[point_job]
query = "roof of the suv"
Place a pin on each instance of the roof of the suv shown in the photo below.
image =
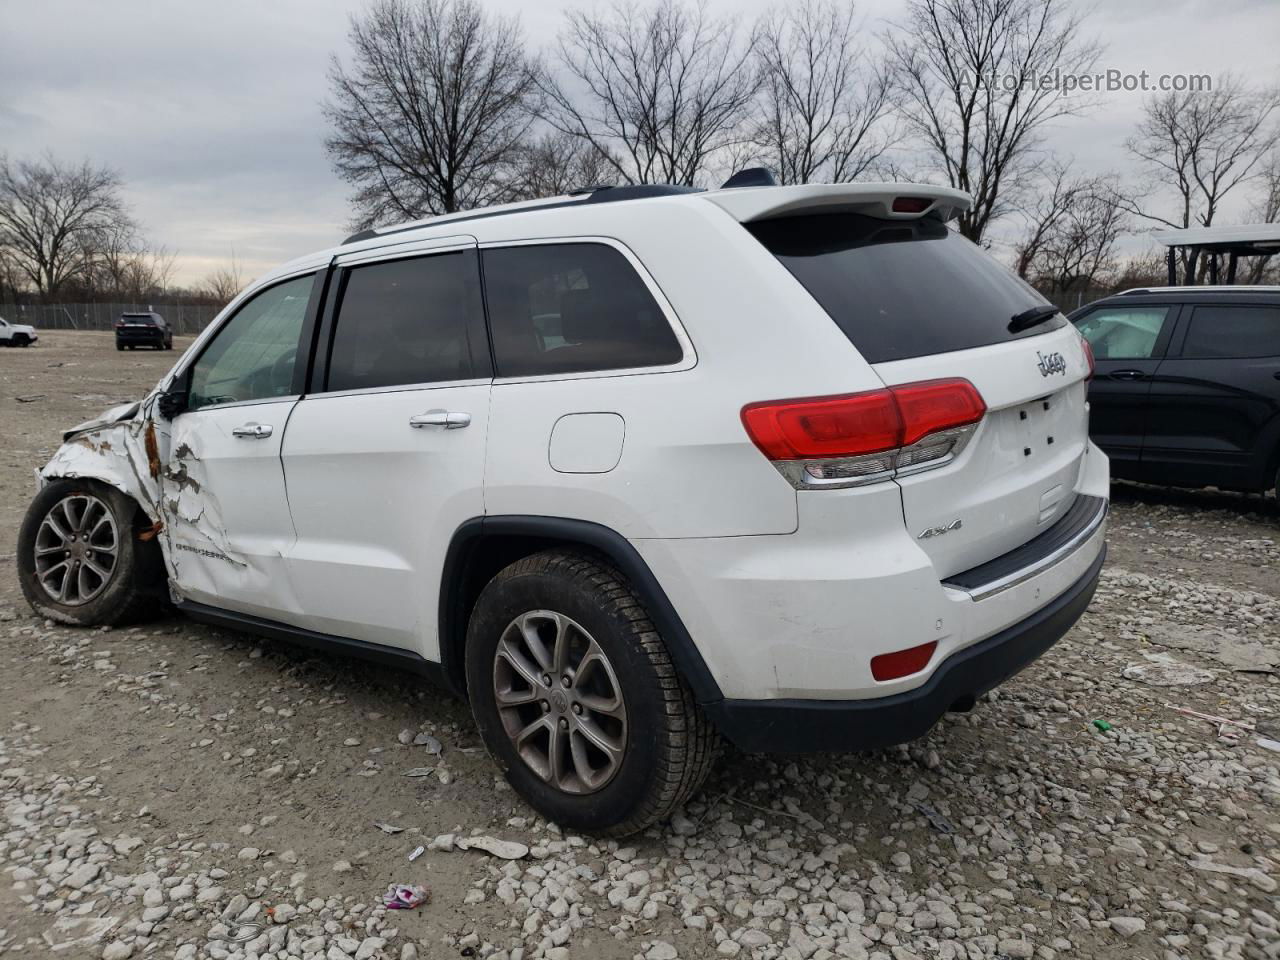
(1182, 293)
(743, 203)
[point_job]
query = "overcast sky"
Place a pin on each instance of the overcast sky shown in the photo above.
(210, 111)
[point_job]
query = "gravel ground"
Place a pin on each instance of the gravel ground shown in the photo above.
(177, 791)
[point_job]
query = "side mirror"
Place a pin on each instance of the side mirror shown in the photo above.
(173, 402)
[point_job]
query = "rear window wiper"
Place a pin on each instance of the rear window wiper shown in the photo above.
(1031, 318)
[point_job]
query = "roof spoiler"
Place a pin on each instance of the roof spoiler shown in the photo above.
(888, 201)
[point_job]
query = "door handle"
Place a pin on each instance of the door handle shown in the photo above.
(449, 419)
(1127, 375)
(252, 431)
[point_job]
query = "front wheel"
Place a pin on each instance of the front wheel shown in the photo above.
(81, 559)
(577, 699)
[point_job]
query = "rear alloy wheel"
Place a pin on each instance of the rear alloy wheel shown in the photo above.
(82, 559)
(560, 702)
(577, 699)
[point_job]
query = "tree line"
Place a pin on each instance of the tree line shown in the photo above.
(67, 235)
(442, 105)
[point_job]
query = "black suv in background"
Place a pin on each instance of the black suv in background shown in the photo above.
(143, 330)
(1187, 388)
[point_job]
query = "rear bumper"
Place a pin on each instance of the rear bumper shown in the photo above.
(130, 337)
(820, 726)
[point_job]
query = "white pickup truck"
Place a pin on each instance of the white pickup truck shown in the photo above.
(16, 334)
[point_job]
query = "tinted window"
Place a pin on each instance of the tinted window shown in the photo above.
(252, 357)
(564, 308)
(406, 322)
(902, 288)
(1123, 333)
(1233, 332)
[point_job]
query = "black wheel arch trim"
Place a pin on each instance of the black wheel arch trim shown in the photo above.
(453, 616)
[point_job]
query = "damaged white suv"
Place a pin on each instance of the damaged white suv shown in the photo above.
(630, 470)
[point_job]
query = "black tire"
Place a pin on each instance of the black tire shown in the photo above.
(21, 340)
(670, 745)
(120, 346)
(136, 588)
(131, 346)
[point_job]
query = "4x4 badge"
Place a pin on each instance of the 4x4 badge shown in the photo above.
(955, 524)
(1052, 363)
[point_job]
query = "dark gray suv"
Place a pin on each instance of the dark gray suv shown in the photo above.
(1187, 386)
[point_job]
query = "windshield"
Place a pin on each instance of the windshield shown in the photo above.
(901, 288)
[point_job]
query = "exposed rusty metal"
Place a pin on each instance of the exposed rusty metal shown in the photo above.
(153, 450)
(151, 532)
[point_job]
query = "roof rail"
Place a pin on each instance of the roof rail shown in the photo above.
(604, 193)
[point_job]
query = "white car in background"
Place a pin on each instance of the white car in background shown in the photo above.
(629, 470)
(16, 334)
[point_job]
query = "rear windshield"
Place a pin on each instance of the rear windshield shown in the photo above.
(138, 318)
(904, 288)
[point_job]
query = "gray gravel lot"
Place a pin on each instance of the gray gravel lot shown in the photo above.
(177, 791)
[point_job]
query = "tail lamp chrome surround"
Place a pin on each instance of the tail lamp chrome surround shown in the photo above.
(834, 473)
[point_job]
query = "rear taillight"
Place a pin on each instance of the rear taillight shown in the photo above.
(1088, 355)
(865, 437)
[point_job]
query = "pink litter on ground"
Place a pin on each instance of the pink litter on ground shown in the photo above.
(405, 896)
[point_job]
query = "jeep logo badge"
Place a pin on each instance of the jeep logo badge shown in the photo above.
(1051, 363)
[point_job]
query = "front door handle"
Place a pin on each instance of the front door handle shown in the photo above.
(449, 419)
(1127, 375)
(252, 431)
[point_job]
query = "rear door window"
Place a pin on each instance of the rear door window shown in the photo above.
(572, 307)
(1123, 333)
(1233, 331)
(901, 288)
(413, 321)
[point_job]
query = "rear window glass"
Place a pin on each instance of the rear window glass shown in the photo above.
(138, 318)
(572, 307)
(406, 322)
(1233, 332)
(901, 288)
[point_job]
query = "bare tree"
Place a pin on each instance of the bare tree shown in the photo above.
(1265, 209)
(656, 91)
(972, 75)
(824, 105)
(222, 284)
(430, 116)
(1071, 231)
(1202, 145)
(49, 215)
(555, 164)
(122, 265)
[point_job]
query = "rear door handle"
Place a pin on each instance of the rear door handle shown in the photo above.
(1127, 375)
(449, 419)
(252, 431)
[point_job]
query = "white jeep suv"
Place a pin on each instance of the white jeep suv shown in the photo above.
(630, 470)
(17, 334)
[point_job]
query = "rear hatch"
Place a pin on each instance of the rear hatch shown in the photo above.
(137, 324)
(921, 303)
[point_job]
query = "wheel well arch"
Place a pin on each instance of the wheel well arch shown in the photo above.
(482, 546)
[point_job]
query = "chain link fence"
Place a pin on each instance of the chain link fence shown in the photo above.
(183, 318)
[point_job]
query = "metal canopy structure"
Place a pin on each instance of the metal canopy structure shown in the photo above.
(1241, 240)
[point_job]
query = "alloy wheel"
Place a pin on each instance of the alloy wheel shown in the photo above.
(76, 549)
(560, 701)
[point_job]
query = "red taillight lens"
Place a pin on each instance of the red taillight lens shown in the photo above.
(1088, 355)
(936, 405)
(902, 663)
(861, 423)
(911, 204)
(824, 426)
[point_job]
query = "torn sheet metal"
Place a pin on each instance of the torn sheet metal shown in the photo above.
(129, 448)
